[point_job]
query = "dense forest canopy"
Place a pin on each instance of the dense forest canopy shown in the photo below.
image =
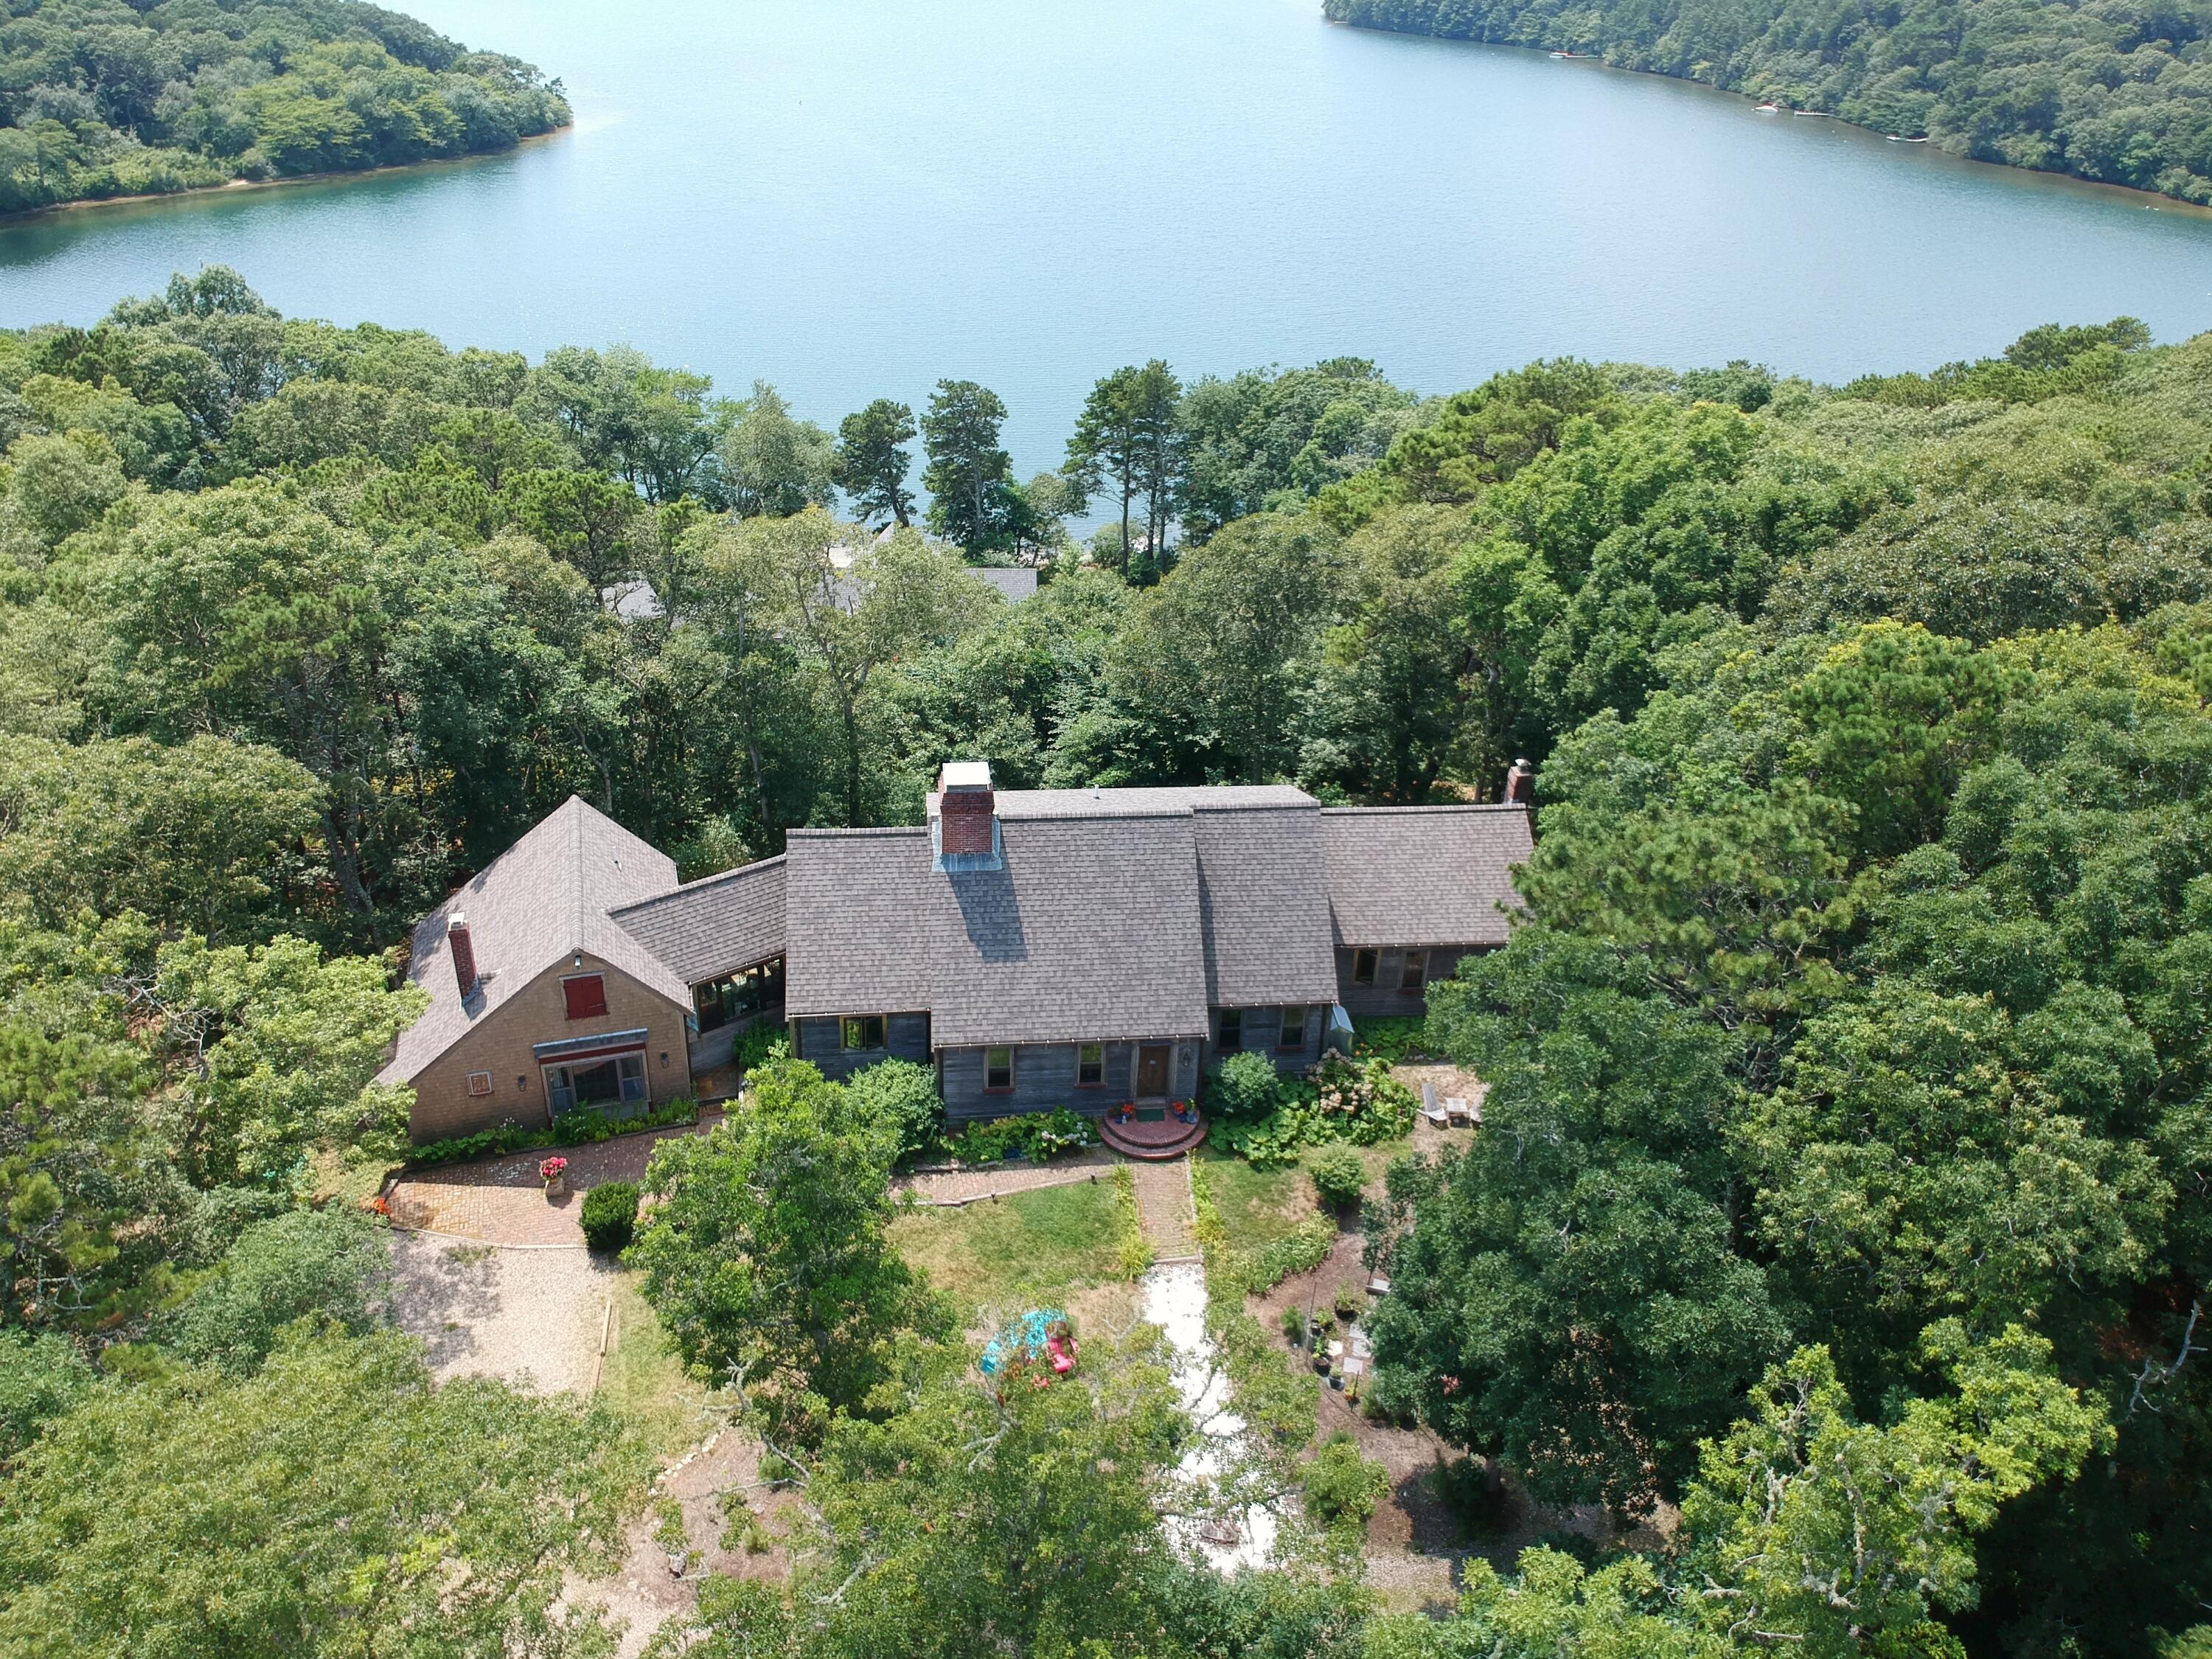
(1845, 1197)
(99, 98)
(2115, 92)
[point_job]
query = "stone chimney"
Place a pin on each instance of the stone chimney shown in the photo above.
(1520, 784)
(967, 811)
(464, 951)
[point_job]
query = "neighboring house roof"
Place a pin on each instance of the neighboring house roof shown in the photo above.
(1115, 803)
(856, 906)
(1090, 930)
(544, 898)
(1016, 582)
(1423, 875)
(714, 926)
(1263, 904)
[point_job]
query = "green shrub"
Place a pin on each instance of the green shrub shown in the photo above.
(1299, 1251)
(987, 1143)
(758, 1044)
(1390, 1040)
(1338, 1175)
(330, 1266)
(41, 1377)
(1294, 1325)
(1049, 1134)
(1343, 1489)
(582, 1128)
(905, 1092)
(1244, 1089)
(610, 1215)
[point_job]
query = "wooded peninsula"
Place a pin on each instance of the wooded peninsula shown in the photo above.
(2119, 94)
(1836, 1241)
(100, 98)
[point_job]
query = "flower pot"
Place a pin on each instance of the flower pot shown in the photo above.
(556, 1186)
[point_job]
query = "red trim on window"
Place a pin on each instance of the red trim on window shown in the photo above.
(618, 1050)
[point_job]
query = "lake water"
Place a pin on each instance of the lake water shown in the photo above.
(855, 198)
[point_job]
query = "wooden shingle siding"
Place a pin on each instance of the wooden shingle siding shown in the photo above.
(1263, 1027)
(1383, 1000)
(906, 1036)
(1044, 1077)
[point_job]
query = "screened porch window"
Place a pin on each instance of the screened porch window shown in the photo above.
(733, 996)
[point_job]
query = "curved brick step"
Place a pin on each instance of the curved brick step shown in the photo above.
(1152, 1143)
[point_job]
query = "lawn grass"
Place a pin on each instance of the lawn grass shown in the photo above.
(1007, 1254)
(642, 1381)
(1257, 1206)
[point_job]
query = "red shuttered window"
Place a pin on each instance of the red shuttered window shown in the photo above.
(586, 995)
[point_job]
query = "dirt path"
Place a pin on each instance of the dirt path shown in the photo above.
(1163, 1209)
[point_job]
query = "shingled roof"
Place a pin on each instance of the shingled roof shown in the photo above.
(1423, 875)
(1090, 930)
(715, 926)
(1263, 904)
(856, 917)
(545, 897)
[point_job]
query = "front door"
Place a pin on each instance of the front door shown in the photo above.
(1153, 1070)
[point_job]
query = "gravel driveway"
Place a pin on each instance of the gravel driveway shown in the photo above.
(530, 1314)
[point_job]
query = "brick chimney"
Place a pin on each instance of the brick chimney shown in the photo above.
(464, 951)
(966, 809)
(1521, 783)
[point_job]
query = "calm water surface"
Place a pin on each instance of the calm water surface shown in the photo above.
(853, 197)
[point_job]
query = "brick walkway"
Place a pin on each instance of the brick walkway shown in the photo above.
(957, 1186)
(500, 1200)
(1163, 1207)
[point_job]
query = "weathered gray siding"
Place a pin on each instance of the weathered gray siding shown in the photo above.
(1262, 1027)
(906, 1036)
(1383, 1000)
(1044, 1077)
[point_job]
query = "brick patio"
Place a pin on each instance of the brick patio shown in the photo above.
(500, 1200)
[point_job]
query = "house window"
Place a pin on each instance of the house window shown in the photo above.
(1294, 1028)
(479, 1083)
(586, 995)
(998, 1070)
(1414, 976)
(1364, 963)
(1232, 1030)
(617, 1080)
(864, 1032)
(1091, 1066)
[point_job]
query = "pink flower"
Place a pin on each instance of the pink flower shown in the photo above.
(551, 1168)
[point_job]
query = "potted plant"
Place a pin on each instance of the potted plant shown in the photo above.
(554, 1173)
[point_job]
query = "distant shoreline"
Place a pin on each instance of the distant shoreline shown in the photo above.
(2154, 201)
(336, 176)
